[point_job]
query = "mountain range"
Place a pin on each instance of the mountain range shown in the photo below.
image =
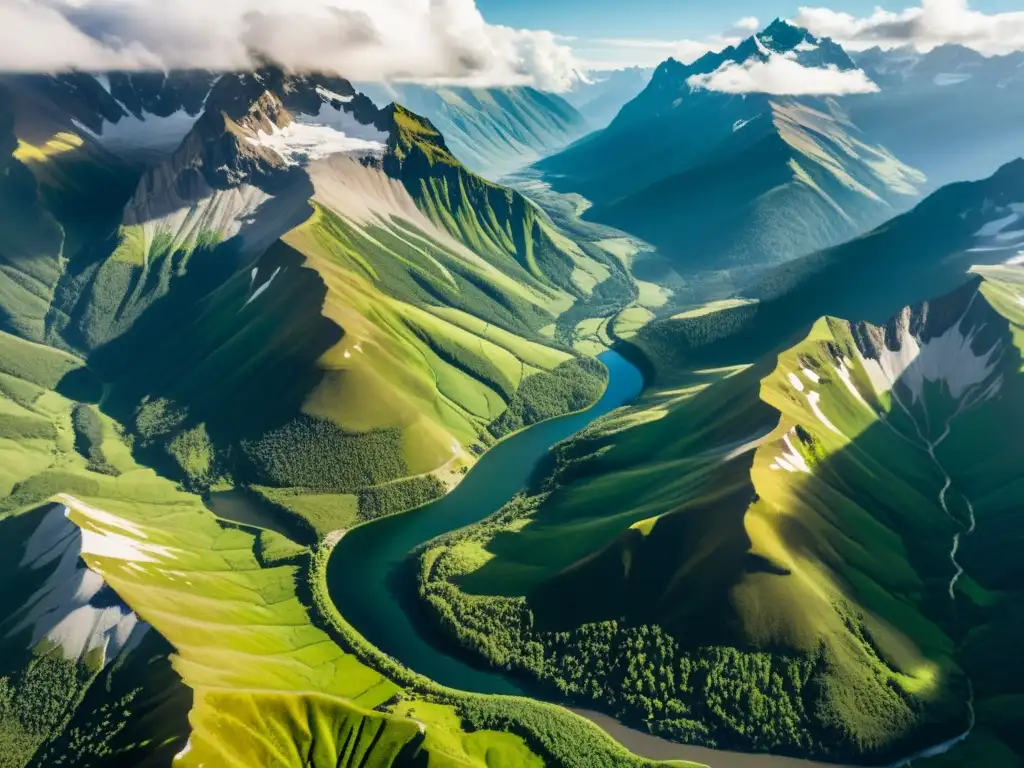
(975, 101)
(720, 181)
(245, 313)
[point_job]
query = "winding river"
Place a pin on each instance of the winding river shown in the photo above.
(365, 563)
(368, 560)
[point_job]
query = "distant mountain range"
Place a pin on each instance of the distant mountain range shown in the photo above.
(951, 112)
(602, 93)
(493, 131)
(719, 181)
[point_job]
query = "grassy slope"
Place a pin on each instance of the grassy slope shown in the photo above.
(493, 221)
(427, 327)
(833, 580)
(239, 610)
(268, 685)
(350, 309)
(57, 194)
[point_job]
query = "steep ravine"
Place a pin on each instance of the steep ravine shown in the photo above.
(969, 399)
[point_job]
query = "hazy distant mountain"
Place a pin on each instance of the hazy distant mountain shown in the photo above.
(600, 97)
(493, 131)
(723, 181)
(942, 67)
(951, 112)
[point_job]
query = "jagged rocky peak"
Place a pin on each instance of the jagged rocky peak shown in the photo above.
(781, 36)
(957, 342)
(778, 38)
(146, 116)
(258, 124)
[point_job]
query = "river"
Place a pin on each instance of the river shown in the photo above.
(366, 562)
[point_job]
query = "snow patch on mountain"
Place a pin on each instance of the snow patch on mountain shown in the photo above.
(330, 96)
(998, 227)
(300, 142)
(262, 288)
(1003, 234)
(185, 750)
(99, 540)
(74, 609)
(945, 79)
(948, 359)
(842, 369)
(791, 459)
(814, 400)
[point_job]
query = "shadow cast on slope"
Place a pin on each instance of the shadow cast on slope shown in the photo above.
(686, 573)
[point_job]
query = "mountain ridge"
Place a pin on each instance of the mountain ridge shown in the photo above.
(831, 178)
(494, 131)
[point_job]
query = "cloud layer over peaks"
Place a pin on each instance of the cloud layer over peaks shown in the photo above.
(437, 41)
(933, 23)
(780, 74)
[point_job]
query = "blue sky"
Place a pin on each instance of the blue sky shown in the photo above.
(594, 25)
(669, 18)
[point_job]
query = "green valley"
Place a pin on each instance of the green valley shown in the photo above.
(774, 488)
(729, 526)
(339, 338)
(408, 384)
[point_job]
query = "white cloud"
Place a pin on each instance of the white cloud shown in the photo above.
(748, 24)
(422, 40)
(933, 23)
(34, 36)
(782, 76)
